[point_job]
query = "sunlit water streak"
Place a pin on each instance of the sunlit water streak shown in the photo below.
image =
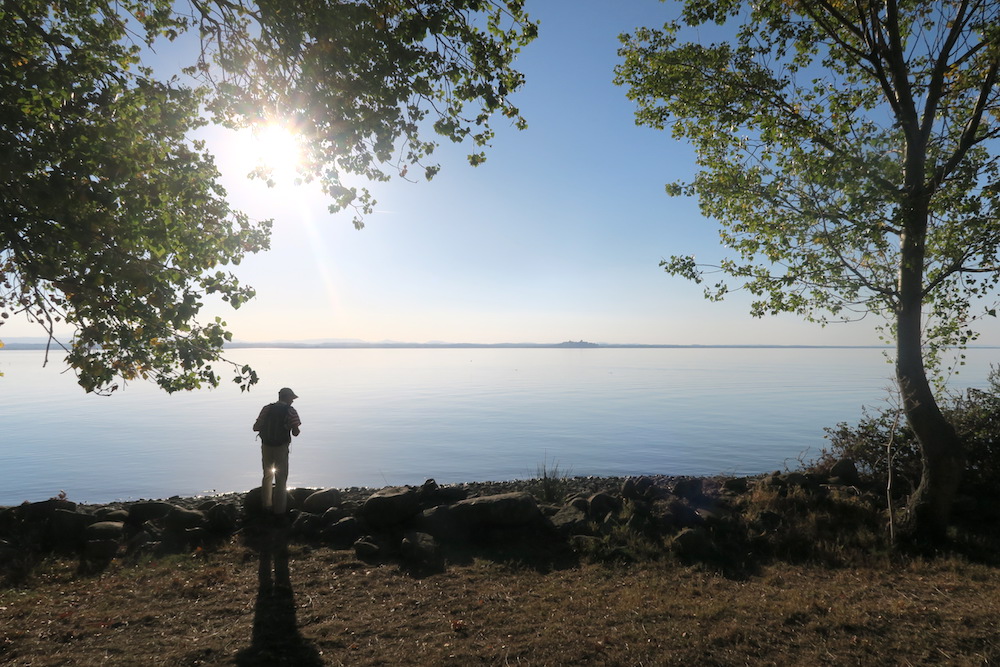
(399, 416)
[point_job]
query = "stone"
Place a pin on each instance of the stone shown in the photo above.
(736, 485)
(571, 520)
(636, 487)
(432, 495)
(180, 519)
(342, 534)
(421, 550)
(67, 528)
(334, 514)
(307, 525)
(320, 501)
(441, 523)
(846, 472)
(367, 548)
(602, 504)
(223, 518)
(689, 489)
(104, 530)
(100, 551)
(694, 544)
(506, 509)
(44, 509)
(390, 506)
(150, 510)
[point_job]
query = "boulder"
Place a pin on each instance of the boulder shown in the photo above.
(736, 485)
(441, 523)
(223, 518)
(104, 530)
(421, 550)
(180, 519)
(320, 501)
(602, 504)
(307, 525)
(432, 495)
(391, 506)
(67, 528)
(636, 488)
(43, 510)
(342, 534)
(505, 509)
(846, 472)
(689, 489)
(571, 520)
(150, 510)
(693, 544)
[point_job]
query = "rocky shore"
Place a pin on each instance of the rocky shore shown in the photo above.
(695, 518)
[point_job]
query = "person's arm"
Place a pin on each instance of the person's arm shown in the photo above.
(293, 421)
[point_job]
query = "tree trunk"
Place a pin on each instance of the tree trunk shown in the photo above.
(941, 450)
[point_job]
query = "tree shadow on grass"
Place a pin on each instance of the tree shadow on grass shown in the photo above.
(276, 639)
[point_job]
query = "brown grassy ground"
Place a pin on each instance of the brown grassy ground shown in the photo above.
(263, 604)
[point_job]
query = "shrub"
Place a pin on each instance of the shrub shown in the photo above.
(975, 416)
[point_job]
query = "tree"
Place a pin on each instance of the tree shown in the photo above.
(113, 220)
(848, 151)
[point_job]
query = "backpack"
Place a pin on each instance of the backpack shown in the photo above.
(274, 430)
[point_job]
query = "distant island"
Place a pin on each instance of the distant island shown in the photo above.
(40, 344)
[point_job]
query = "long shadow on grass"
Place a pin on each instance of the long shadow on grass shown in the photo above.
(276, 639)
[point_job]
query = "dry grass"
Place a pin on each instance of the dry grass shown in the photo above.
(241, 606)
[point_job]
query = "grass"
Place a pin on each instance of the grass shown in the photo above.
(223, 609)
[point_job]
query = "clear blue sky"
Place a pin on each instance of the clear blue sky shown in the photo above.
(557, 236)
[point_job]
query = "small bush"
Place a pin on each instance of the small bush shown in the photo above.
(975, 416)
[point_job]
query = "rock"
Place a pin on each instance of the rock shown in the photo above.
(320, 501)
(297, 496)
(66, 528)
(151, 510)
(421, 550)
(636, 487)
(308, 525)
(368, 548)
(104, 530)
(98, 553)
(334, 514)
(390, 506)
(693, 544)
(796, 479)
(43, 510)
(119, 514)
(846, 472)
(432, 495)
(441, 523)
(768, 520)
(223, 518)
(571, 520)
(736, 485)
(253, 502)
(180, 519)
(689, 489)
(342, 534)
(505, 509)
(602, 504)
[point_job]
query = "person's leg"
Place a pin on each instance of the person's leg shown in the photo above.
(267, 461)
(280, 479)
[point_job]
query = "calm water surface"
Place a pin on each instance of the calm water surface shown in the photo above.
(399, 416)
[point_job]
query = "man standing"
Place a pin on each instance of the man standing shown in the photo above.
(276, 424)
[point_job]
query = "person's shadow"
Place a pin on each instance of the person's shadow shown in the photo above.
(276, 639)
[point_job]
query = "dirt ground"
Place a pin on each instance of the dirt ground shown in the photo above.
(270, 603)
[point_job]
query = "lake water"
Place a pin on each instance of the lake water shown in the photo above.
(375, 417)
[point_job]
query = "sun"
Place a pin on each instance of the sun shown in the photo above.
(273, 151)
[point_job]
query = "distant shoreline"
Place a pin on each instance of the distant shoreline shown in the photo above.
(568, 345)
(580, 345)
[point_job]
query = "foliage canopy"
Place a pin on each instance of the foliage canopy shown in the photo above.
(849, 152)
(113, 220)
